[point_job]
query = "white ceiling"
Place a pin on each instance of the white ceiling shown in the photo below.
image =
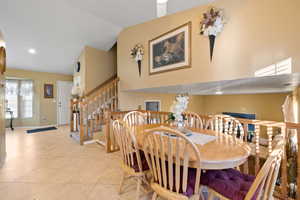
(59, 29)
(269, 84)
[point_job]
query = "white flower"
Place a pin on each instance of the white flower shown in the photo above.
(179, 106)
(218, 21)
(137, 52)
(212, 25)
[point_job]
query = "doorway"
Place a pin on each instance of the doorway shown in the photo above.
(64, 89)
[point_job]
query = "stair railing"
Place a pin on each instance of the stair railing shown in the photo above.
(91, 109)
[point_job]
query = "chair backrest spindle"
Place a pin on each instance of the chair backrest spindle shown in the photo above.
(127, 143)
(193, 120)
(265, 180)
(168, 153)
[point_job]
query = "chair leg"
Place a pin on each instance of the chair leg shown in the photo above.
(138, 188)
(154, 197)
(210, 196)
(122, 182)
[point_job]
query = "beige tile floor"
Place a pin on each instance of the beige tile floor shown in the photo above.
(52, 166)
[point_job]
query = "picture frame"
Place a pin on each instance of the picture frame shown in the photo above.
(48, 91)
(171, 51)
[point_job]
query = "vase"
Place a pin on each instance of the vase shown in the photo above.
(179, 124)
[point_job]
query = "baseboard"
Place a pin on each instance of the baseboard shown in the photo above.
(94, 141)
(90, 142)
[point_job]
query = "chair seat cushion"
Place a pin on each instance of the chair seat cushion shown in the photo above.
(144, 163)
(191, 180)
(230, 183)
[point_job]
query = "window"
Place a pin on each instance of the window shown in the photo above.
(152, 105)
(19, 98)
(283, 67)
(11, 98)
(26, 98)
(161, 8)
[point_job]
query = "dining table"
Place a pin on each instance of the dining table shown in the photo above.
(217, 150)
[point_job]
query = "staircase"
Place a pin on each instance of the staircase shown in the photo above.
(88, 112)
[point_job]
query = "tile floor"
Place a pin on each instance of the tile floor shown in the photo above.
(52, 166)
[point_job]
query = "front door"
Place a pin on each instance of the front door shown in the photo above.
(64, 89)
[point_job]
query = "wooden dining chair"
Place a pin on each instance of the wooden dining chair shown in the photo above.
(134, 164)
(227, 125)
(134, 118)
(193, 120)
(218, 123)
(168, 153)
(234, 127)
(231, 184)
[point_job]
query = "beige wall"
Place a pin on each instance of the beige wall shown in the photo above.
(258, 33)
(97, 66)
(265, 106)
(2, 109)
(132, 101)
(44, 110)
(101, 65)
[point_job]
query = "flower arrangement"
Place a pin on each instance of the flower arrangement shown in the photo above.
(178, 107)
(137, 53)
(211, 25)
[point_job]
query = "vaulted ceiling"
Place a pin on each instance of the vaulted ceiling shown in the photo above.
(59, 29)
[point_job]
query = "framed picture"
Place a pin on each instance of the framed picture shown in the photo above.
(48, 91)
(171, 51)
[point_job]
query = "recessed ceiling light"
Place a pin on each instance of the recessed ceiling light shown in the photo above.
(219, 92)
(32, 51)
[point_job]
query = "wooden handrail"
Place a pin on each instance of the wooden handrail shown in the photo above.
(92, 107)
(115, 76)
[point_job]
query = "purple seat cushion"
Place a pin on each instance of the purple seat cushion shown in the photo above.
(191, 180)
(229, 182)
(144, 163)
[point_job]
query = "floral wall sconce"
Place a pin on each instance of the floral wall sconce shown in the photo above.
(137, 53)
(211, 25)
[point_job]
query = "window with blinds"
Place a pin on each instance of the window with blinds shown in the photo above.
(19, 98)
(11, 98)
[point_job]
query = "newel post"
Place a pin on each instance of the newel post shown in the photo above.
(81, 134)
(107, 118)
(298, 165)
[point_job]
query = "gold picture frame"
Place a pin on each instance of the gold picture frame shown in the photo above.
(171, 51)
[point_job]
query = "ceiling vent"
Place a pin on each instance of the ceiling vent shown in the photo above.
(161, 7)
